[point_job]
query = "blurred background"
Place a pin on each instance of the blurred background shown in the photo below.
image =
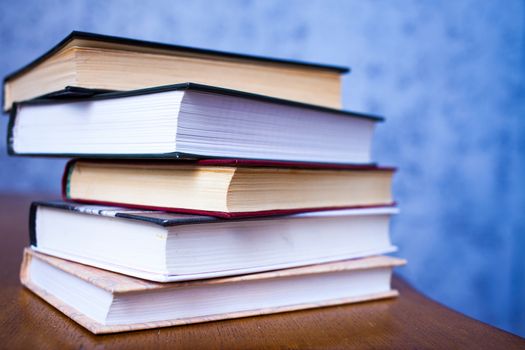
(448, 76)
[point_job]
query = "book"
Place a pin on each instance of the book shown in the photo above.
(190, 121)
(106, 302)
(167, 247)
(226, 188)
(93, 61)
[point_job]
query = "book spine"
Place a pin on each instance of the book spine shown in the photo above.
(24, 268)
(68, 169)
(10, 127)
(32, 223)
(4, 96)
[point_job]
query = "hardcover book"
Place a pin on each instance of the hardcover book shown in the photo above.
(163, 246)
(106, 302)
(227, 188)
(190, 121)
(102, 62)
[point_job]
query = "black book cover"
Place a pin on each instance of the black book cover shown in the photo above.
(96, 95)
(155, 217)
(72, 92)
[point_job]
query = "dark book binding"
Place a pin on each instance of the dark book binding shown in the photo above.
(160, 218)
(143, 214)
(96, 95)
(237, 163)
(68, 93)
(32, 223)
(72, 92)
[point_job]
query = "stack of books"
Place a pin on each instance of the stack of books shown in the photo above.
(239, 189)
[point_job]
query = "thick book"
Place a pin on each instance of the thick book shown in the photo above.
(106, 302)
(227, 188)
(190, 121)
(161, 246)
(93, 61)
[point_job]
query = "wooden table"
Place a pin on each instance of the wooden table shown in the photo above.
(410, 321)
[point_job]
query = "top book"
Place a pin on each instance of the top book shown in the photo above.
(101, 62)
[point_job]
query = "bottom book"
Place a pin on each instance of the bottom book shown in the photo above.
(107, 302)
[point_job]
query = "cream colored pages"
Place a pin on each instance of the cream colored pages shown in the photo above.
(226, 189)
(105, 65)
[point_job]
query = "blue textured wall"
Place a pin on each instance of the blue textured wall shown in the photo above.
(449, 78)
